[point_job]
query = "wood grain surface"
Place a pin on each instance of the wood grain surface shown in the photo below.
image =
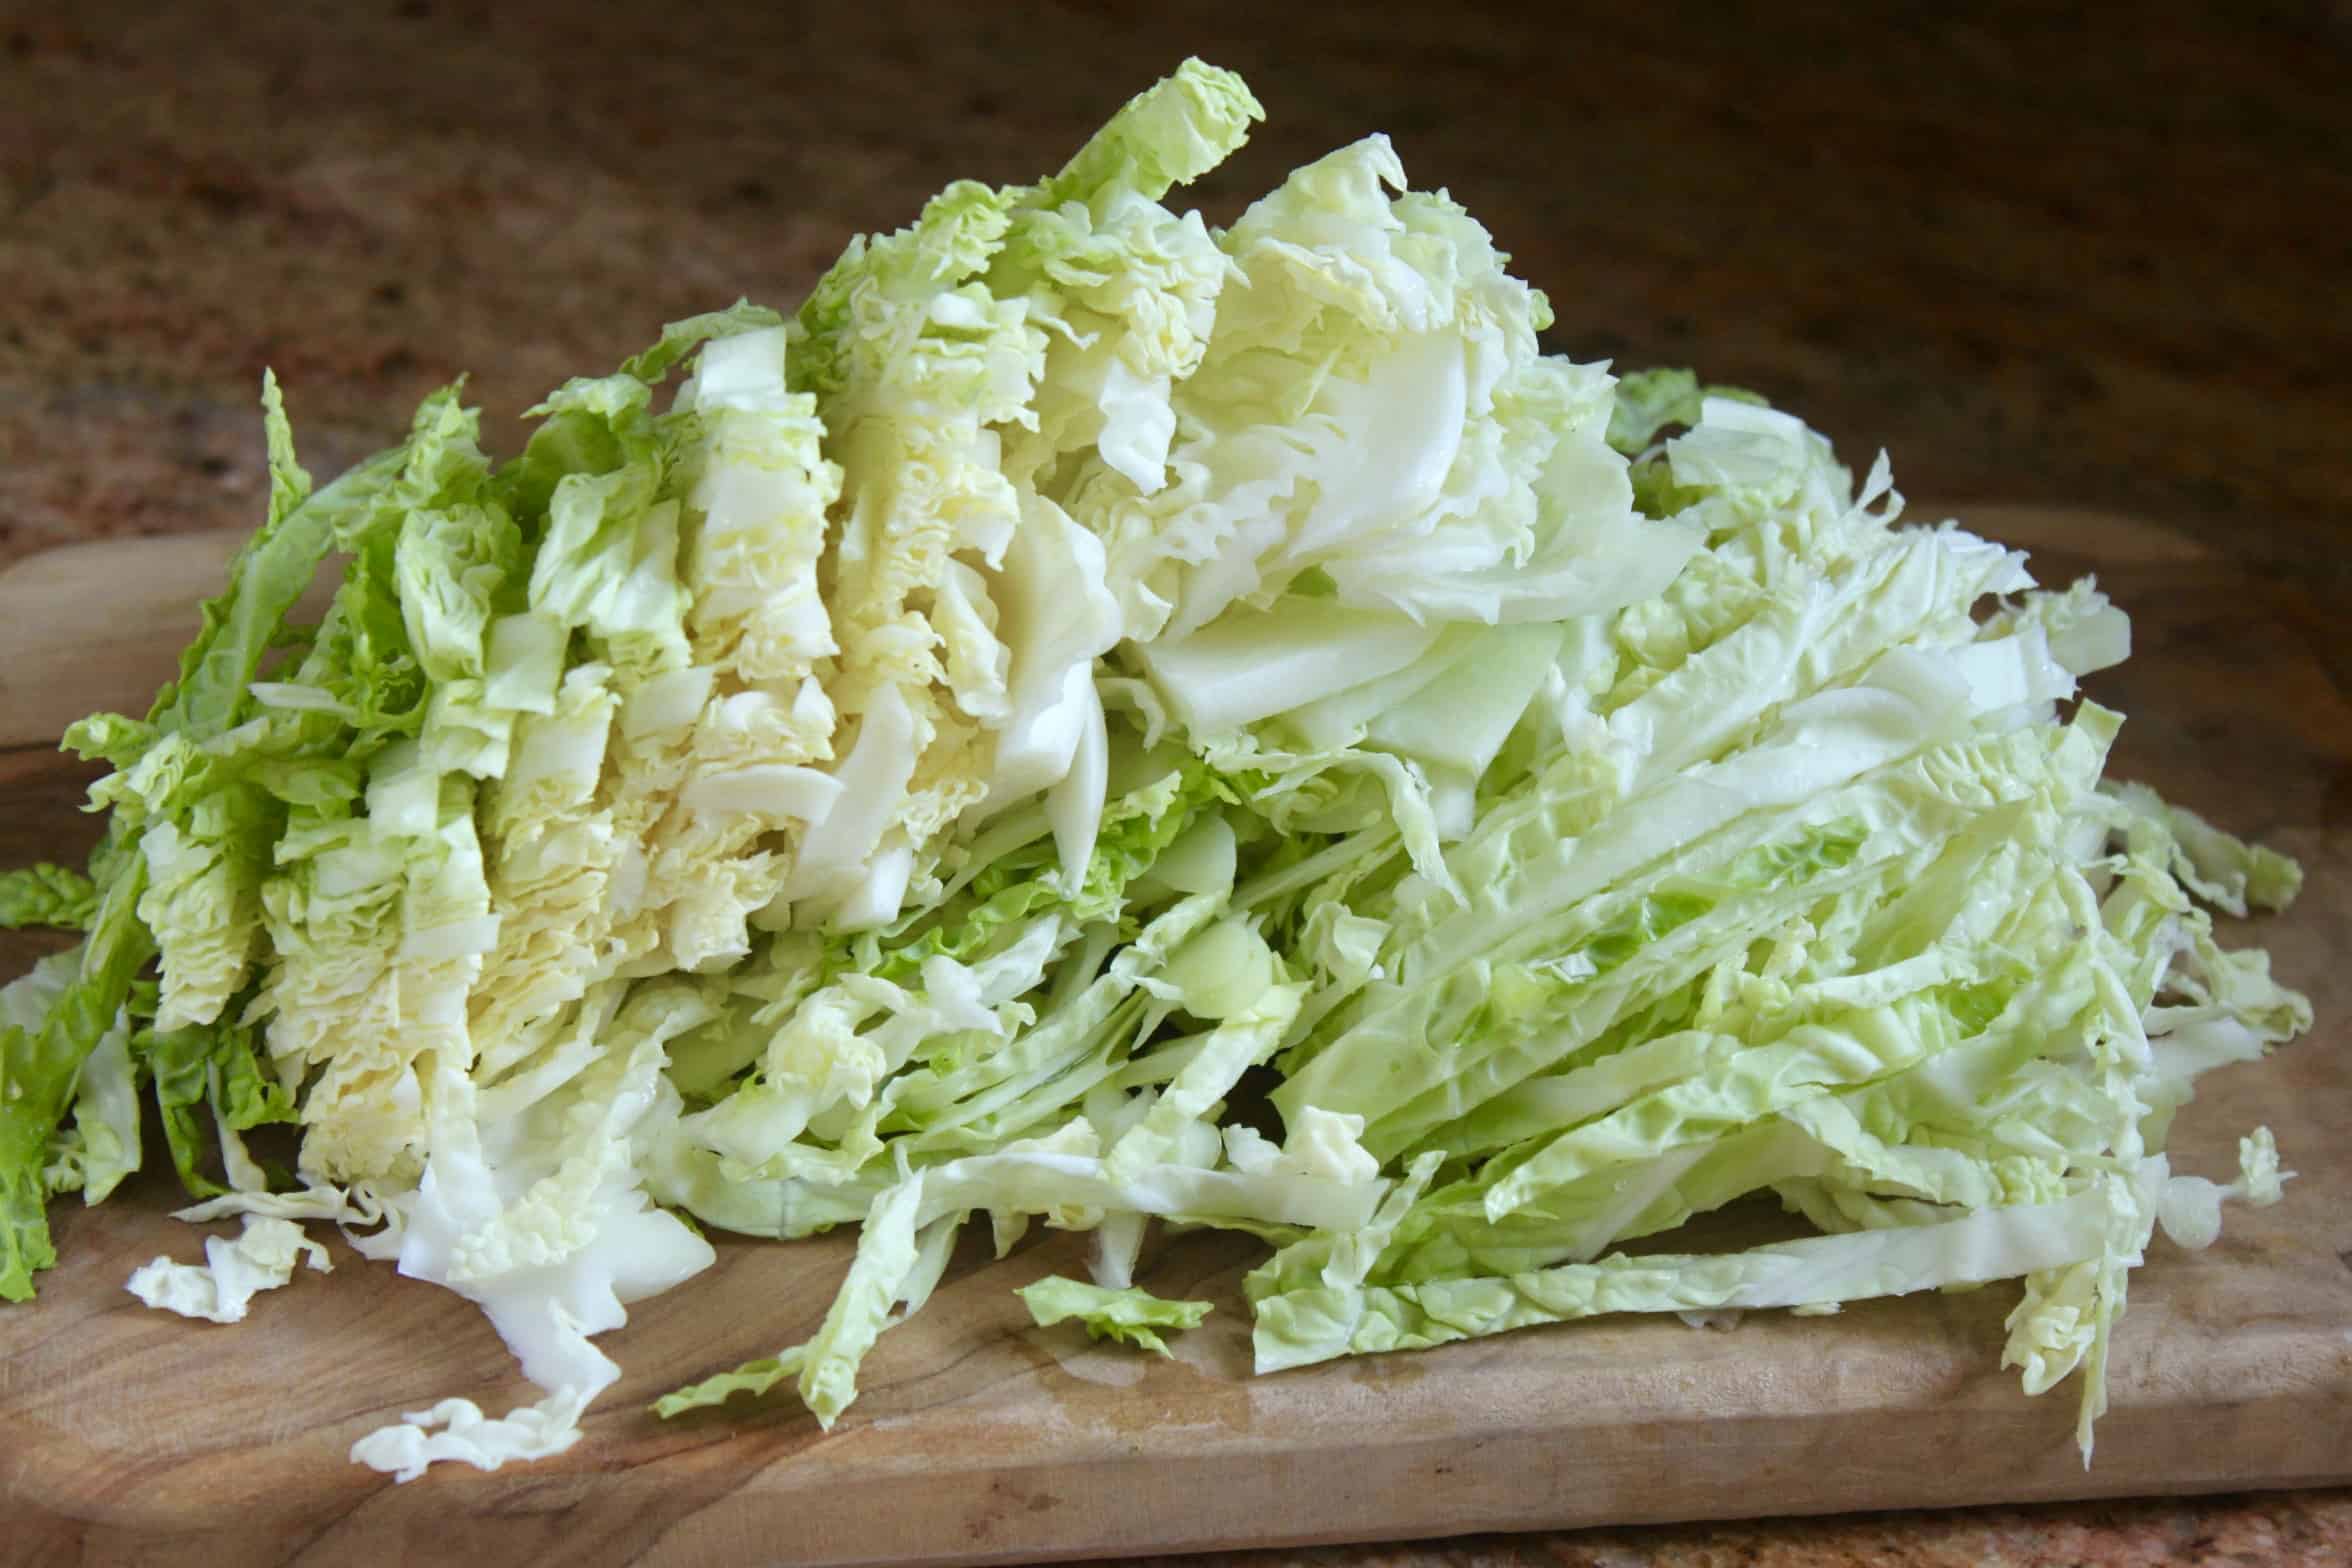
(127, 1435)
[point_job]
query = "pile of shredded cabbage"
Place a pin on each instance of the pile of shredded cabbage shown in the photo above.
(1099, 718)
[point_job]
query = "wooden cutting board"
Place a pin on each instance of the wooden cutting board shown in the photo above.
(127, 1434)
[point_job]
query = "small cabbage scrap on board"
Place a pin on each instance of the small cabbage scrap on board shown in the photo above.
(1100, 718)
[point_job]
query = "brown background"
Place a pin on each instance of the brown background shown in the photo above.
(2097, 260)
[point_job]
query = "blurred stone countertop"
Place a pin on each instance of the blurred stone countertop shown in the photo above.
(2036, 254)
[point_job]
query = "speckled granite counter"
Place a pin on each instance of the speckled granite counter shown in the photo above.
(2036, 259)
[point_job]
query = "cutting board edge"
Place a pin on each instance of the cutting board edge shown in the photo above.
(1596, 1493)
(998, 1511)
(1524, 1524)
(1532, 1524)
(1027, 1491)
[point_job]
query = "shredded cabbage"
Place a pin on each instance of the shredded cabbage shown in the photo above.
(969, 747)
(1130, 1314)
